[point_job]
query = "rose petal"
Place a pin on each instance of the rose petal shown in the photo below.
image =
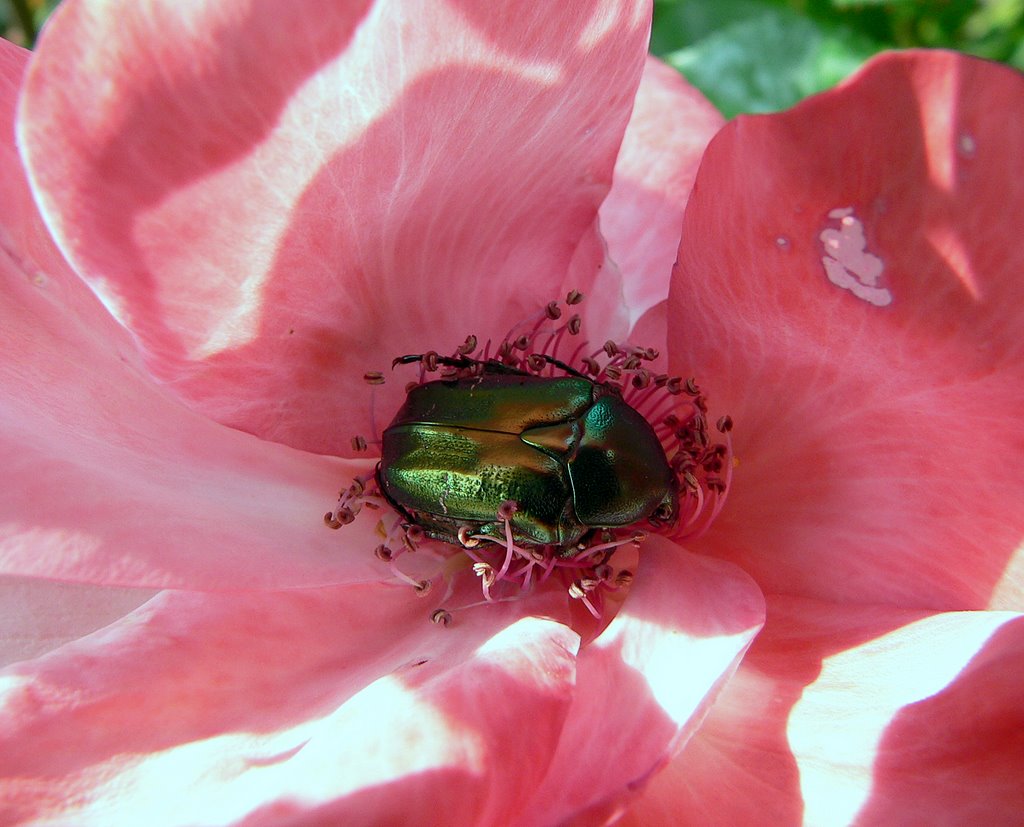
(646, 683)
(277, 198)
(340, 705)
(108, 480)
(880, 447)
(642, 217)
(870, 715)
(111, 481)
(37, 616)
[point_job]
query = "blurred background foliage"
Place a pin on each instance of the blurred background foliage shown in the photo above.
(764, 55)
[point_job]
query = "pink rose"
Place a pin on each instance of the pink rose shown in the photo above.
(218, 218)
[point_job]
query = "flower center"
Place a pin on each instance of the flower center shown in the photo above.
(532, 462)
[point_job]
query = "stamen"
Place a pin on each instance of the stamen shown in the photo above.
(485, 571)
(405, 578)
(441, 617)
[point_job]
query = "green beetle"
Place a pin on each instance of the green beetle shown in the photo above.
(567, 450)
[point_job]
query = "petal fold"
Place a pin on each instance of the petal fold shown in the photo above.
(858, 714)
(642, 217)
(644, 685)
(343, 705)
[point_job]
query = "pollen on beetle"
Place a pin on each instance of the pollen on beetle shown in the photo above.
(498, 549)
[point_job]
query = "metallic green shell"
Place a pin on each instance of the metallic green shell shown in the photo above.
(571, 453)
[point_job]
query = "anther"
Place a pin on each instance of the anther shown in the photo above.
(691, 387)
(535, 362)
(623, 578)
(358, 443)
(613, 373)
(485, 571)
(423, 588)
(611, 348)
(522, 343)
(429, 360)
(383, 553)
(574, 297)
(642, 379)
(507, 509)
(330, 521)
(674, 385)
(553, 311)
(591, 366)
(441, 617)
(373, 377)
(650, 354)
(574, 325)
(724, 424)
(466, 540)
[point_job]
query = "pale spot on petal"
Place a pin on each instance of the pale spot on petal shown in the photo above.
(846, 261)
(966, 145)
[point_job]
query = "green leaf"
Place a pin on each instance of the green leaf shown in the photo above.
(680, 23)
(771, 61)
(839, 4)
